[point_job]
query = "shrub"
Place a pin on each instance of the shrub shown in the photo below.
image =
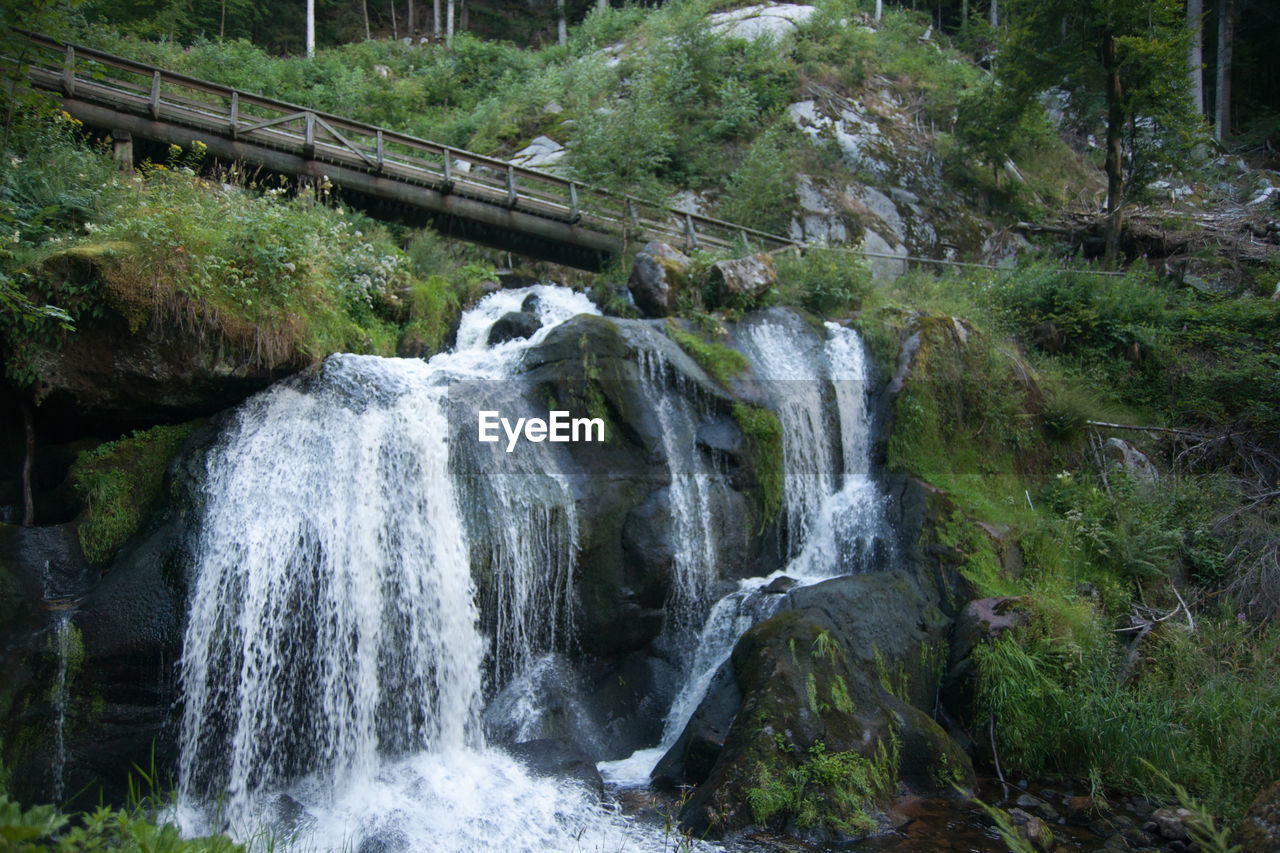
(824, 281)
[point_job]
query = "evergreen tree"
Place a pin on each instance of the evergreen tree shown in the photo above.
(1123, 63)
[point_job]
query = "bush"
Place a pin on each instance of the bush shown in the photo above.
(824, 281)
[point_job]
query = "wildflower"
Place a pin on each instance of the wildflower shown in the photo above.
(1242, 617)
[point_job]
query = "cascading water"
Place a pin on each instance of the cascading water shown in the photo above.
(833, 531)
(62, 642)
(333, 662)
(693, 534)
(792, 374)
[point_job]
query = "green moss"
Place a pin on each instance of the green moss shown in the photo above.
(720, 362)
(119, 483)
(764, 437)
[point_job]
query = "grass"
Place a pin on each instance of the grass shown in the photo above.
(828, 790)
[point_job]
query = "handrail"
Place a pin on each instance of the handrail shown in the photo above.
(238, 115)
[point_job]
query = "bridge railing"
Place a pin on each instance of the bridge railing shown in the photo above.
(121, 84)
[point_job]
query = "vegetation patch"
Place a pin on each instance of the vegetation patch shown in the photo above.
(119, 483)
(720, 362)
(826, 790)
(764, 438)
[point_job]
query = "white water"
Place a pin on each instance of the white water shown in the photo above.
(62, 639)
(692, 531)
(835, 529)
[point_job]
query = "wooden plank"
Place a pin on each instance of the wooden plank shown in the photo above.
(346, 142)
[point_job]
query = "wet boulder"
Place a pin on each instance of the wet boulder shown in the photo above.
(513, 325)
(831, 718)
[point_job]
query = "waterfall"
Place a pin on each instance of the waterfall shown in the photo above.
(692, 531)
(794, 376)
(332, 619)
(833, 530)
(62, 642)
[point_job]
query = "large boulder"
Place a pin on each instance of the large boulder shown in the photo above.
(744, 281)
(830, 719)
(657, 274)
(514, 325)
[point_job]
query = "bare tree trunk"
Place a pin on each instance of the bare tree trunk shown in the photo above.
(879, 8)
(394, 34)
(1226, 42)
(464, 12)
(28, 462)
(409, 26)
(1195, 53)
(993, 14)
(562, 28)
(602, 4)
(311, 27)
(222, 22)
(448, 22)
(435, 18)
(1115, 149)
(364, 7)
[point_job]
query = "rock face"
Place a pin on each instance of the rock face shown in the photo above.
(657, 274)
(124, 637)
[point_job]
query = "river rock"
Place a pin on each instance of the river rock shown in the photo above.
(1259, 832)
(744, 281)
(657, 275)
(550, 757)
(1171, 823)
(513, 325)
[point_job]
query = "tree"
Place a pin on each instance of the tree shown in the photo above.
(311, 27)
(1123, 64)
(1226, 43)
(1195, 53)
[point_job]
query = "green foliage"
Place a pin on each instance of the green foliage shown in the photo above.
(761, 192)
(764, 437)
(828, 790)
(119, 483)
(720, 362)
(824, 281)
(43, 828)
(1204, 709)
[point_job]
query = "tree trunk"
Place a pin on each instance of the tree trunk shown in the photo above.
(1195, 53)
(602, 4)
(364, 7)
(409, 24)
(1115, 149)
(993, 14)
(394, 34)
(448, 22)
(562, 27)
(435, 18)
(964, 11)
(222, 22)
(311, 27)
(28, 462)
(879, 8)
(1226, 41)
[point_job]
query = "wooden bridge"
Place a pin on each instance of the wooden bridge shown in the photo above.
(390, 175)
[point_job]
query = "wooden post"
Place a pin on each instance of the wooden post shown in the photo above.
(690, 236)
(309, 136)
(69, 72)
(511, 186)
(381, 156)
(235, 115)
(122, 149)
(574, 215)
(448, 171)
(155, 94)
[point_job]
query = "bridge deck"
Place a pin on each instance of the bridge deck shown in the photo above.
(392, 175)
